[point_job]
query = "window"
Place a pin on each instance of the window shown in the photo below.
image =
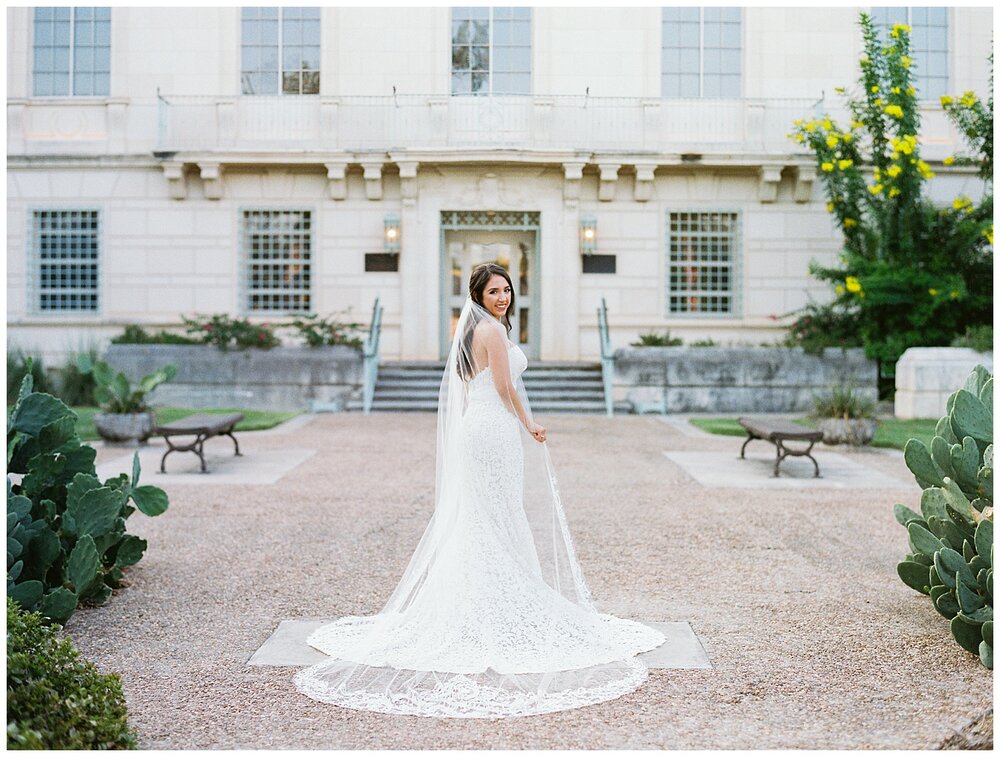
(928, 45)
(280, 51)
(66, 248)
(72, 52)
(491, 51)
(703, 249)
(701, 52)
(277, 247)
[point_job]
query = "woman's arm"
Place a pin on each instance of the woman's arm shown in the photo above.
(496, 352)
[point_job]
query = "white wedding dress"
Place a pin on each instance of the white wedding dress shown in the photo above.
(480, 625)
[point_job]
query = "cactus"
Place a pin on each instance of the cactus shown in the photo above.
(951, 539)
(66, 540)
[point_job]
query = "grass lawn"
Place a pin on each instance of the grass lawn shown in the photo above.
(254, 420)
(890, 432)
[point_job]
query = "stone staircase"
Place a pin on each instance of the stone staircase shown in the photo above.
(551, 387)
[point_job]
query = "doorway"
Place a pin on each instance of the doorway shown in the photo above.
(514, 250)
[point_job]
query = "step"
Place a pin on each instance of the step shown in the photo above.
(538, 408)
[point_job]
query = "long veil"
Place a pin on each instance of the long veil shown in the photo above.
(415, 656)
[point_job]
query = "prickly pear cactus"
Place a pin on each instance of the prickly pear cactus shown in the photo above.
(66, 540)
(951, 538)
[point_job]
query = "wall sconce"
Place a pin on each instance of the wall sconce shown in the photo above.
(588, 235)
(391, 233)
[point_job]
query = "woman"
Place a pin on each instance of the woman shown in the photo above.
(492, 617)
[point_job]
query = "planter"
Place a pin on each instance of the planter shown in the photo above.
(854, 431)
(125, 427)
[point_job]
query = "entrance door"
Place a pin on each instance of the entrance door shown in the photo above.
(514, 250)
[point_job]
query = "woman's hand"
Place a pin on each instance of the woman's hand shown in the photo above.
(537, 431)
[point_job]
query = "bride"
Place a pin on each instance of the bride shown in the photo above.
(492, 617)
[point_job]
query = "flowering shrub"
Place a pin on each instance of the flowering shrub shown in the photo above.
(910, 273)
(318, 332)
(225, 332)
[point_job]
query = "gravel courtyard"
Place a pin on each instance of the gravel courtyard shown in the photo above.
(792, 591)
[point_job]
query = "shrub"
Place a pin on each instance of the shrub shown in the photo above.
(317, 332)
(652, 339)
(135, 334)
(66, 540)
(75, 387)
(18, 365)
(978, 338)
(707, 342)
(114, 392)
(843, 402)
(225, 332)
(951, 539)
(55, 698)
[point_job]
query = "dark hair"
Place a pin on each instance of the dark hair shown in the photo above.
(480, 277)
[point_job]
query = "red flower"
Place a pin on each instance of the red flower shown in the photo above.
(208, 327)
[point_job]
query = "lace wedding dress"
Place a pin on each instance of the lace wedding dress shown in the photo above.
(492, 617)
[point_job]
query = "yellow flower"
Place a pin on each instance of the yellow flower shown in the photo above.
(988, 233)
(831, 141)
(877, 171)
(953, 294)
(946, 101)
(844, 163)
(895, 90)
(839, 90)
(874, 87)
(878, 100)
(894, 155)
(839, 289)
(864, 60)
(969, 99)
(949, 160)
(894, 191)
(897, 28)
(876, 189)
(847, 136)
(856, 124)
(810, 127)
(829, 207)
(932, 292)
(853, 285)
(849, 222)
(905, 61)
(893, 171)
(961, 202)
(894, 110)
(827, 123)
(911, 91)
(827, 166)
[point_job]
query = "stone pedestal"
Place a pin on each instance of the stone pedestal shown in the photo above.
(926, 376)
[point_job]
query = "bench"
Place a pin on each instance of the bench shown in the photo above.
(202, 426)
(778, 432)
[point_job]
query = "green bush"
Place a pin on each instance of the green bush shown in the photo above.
(652, 339)
(115, 393)
(225, 332)
(842, 402)
(75, 387)
(951, 538)
(707, 342)
(135, 334)
(55, 698)
(66, 540)
(978, 338)
(18, 365)
(318, 332)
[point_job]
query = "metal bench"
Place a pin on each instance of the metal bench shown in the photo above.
(778, 432)
(202, 426)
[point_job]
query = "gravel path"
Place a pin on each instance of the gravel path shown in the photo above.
(815, 642)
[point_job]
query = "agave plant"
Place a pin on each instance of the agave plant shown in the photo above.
(951, 539)
(114, 392)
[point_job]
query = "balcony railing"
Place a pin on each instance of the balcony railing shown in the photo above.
(358, 123)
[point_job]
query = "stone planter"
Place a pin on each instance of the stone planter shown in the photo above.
(854, 431)
(125, 427)
(927, 376)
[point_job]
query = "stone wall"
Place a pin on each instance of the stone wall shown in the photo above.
(927, 376)
(283, 378)
(735, 379)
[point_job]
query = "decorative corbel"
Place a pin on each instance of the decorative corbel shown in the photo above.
(211, 179)
(173, 171)
(572, 178)
(770, 177)
(804, 178)
(644, 181)
(336, 180)
(609, 180)
(408, 187)
(373, 180)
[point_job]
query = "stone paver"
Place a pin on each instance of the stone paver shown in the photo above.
(792, 593)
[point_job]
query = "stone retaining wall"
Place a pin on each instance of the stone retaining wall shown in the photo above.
(284, 378)
(736, 379)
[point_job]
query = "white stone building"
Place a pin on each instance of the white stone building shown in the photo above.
(169, 161)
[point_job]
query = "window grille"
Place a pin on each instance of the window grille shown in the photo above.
(67, 259)
(702, 255)
(277, 249)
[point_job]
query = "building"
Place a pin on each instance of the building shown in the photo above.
(272, 161)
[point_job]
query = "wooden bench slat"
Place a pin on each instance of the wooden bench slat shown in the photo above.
(201, 422)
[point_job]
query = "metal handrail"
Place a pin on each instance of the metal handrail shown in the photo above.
(607, 358)
(371, 356)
